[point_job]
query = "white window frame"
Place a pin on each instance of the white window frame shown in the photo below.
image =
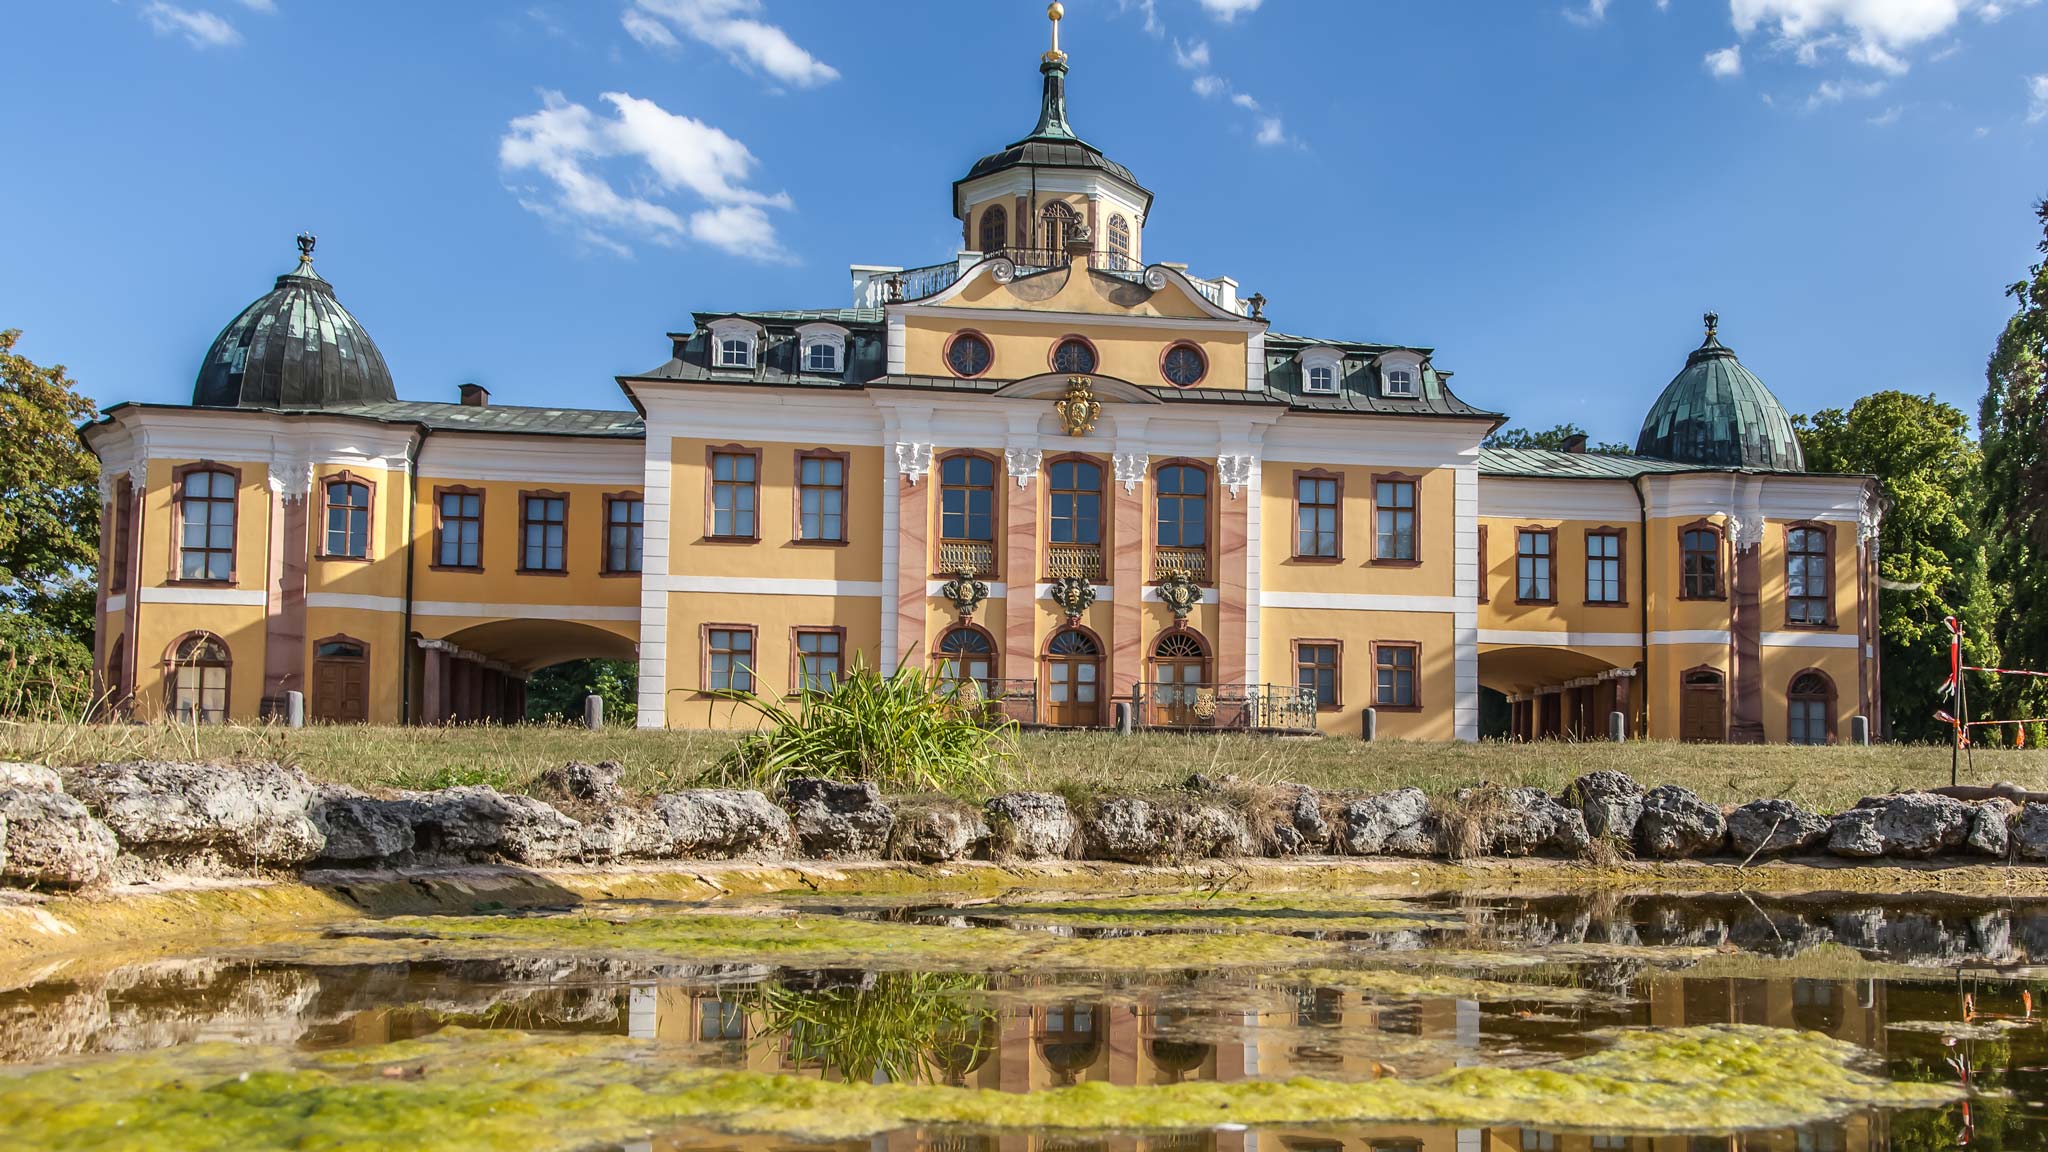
(1322, 357)
(1393, 363)
(745, 331)
(812, 336)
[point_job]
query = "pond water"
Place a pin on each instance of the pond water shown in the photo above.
(1042, 1022)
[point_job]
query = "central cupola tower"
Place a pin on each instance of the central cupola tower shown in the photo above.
(1052, 197)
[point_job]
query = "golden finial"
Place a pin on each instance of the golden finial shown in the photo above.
(1054, 12)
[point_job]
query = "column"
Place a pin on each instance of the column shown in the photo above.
(913, 552)
(1019, 624)
(1745, 631)
(284, 623)
(1238, 487)
(1127, 575)
(434, 684)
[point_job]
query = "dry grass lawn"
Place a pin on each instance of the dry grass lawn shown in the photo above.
(510, 758)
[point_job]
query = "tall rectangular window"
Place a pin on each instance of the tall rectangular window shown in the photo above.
(1076, 502)
(1393, 535)
(819, 658)
(543, 532)
(728, 659)
(735, 496)
(124, 521)
(459, 541)
(821, 498)
(1315, 671)
(1181, 492)
(1808, 578)
(206, 514)
(1699, 550)
(1317, 516)
(625, 519)
(348, 520)
(967, 498)
(1603, 567)
(1532, 566)
(1394, 668)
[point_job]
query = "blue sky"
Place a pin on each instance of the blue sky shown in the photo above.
(530, 194)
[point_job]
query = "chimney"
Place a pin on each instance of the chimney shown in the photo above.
(475, 396)
(1576, 443)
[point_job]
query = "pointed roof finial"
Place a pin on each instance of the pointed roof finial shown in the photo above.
(1713, 325)
(306, 242)
(1054, 12)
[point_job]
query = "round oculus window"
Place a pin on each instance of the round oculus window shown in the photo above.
(968, 355)
(1184, 366)
(1073, 356)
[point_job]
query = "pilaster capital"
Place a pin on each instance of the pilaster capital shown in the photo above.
(913, 461)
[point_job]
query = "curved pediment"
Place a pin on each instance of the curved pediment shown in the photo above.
(1053, 385)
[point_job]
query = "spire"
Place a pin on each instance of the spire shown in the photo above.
(305, 268)
(1052, 108)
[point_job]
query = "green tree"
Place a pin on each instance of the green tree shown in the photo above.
(1552, 439)
(556, 692)
(49, 538)
(1931, 560)
(2012, 427)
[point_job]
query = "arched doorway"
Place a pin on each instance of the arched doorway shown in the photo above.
(1702, 706)
(196, 679)
(1810, 708)
(967, 656)
(341, 681)
(1180, 673)
(1073, 679)
(1056, 222)
(504, 671)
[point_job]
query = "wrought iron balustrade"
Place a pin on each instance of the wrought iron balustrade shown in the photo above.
(977, 556)
(1225, 707)
(874, 288)
(1083, 560)
(1015, 700)
(1193, 561)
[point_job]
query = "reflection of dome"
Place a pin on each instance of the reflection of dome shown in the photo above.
(295, 347)
(1716, 413)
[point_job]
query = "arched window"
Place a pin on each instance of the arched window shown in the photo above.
(1073, 679)
(1180, 534)
(1699, 549)
(348, 519)
(1055, 222)
(1120, 243)
(206, 525)
(1180, 669)
(1073, 523)
(995, 230)
(1809, 576)
(1073, 354)
(1702, 706)
(967, 513)
(968, 656)
(196, 679)
(1810, 709)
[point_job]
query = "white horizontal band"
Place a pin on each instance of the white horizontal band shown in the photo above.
(764, 586)
(1361, 602)
(210, 597)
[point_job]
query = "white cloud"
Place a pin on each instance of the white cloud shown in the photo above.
(1836, 91)
(1228, 10)
(1149, 9)
(260, 5)
(1271, 132)
(2037, 98)
(647, 30)
(1194, 56)
(200, 29)
(1889, 116)
(1878, 32)
(1725, 63)
(1244, 100)
(564, 141)
(727, 25)
(1206, 86)
(1595, 12)
(1874, 55)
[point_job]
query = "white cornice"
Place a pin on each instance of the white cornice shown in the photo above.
(535, 459)
(1515, 498)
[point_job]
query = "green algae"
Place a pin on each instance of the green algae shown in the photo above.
(510, 1092)
(1412, 984)
(1209, 910)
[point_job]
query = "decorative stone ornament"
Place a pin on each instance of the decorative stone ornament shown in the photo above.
(1235, 472)
(1022, 464)
(913, 461)
(965, 591)
(1179, 592)
(1074, 594)
(1130, 469)
(1204, 706)
(1078, 408)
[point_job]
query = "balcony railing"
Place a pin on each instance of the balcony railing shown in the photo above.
(1225, 707)
(875, 286)
(977, 556)
(1015, 700)
(1083, 560)
(1193, 561)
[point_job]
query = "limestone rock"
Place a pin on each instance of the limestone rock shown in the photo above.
(1030, 825)
(1136, 830)
(936, 831)
(1854, 834)
(724, 823)
(2030, 832)
(1917, 825)
(52, 840)
(1609, 802)
(361, 829)
(1521, 821)
(478, 821)
(839, 818)
(18, 775)
(1396, 823)
(1991, 828)
(1211, 831)
(1297, 823)
(249, 814)
(1768, 826)
(624, 832)
(1676, 823)
(590, 783)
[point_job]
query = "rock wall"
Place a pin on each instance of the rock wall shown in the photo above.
(146, 819)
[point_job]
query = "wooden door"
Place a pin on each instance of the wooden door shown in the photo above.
(1073, 680)
(1180, 670)
(1702, 703)
(340, 683)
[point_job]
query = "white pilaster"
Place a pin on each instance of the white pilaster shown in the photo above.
(1465, 591)
(654, 562)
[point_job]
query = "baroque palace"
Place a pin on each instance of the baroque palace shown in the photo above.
(1085, 484)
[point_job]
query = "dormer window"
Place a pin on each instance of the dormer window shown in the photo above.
(733, 342)
(1400, 375)
(821, 348)
(1322, 370)
(821, 357)
(1400, 382)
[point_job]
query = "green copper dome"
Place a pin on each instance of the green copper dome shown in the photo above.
(295, 347)
(1717, 414)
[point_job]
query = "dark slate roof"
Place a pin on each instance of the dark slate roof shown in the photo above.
(295, 347)
(1358, 389)
(1554, 465)
(505, 419)
(1717, 413)
(1052, 142)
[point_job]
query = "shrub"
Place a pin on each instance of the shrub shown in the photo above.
(906, 731)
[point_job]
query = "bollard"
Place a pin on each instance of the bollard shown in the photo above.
(1125, 721)
(1859, 730)
(295, 709)
(1617, 727)
(593, 711)
(1371, 729)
